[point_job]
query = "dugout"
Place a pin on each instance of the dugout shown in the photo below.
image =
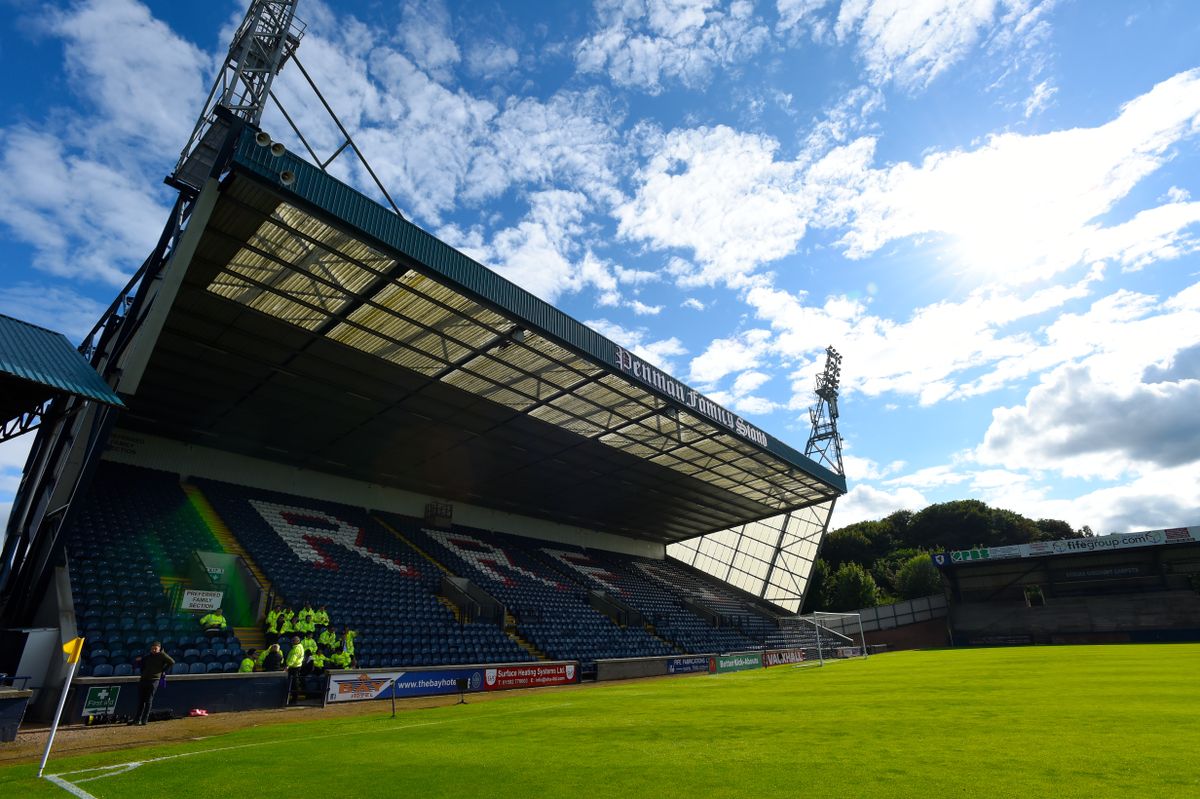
(1135, 587)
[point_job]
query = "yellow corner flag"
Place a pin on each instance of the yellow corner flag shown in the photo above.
(74, 649)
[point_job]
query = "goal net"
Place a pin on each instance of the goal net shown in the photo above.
(835, 636)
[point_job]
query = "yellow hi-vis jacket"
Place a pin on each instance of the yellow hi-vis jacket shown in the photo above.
(213, 620)
(295, 658)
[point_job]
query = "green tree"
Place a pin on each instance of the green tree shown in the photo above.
(851, 588)
(816, 599)
(885, 569)
(961, 524)
(1011, 528)
(848, 545)
(918, 577)
(1054, 530)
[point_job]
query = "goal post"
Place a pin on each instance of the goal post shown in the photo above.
(836, 635)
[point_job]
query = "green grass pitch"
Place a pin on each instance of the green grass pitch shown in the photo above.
(1080, 721)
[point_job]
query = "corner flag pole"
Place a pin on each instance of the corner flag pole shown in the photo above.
(73, 649)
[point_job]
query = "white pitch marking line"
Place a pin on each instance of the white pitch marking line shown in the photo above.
(69, 787)
(125, 768)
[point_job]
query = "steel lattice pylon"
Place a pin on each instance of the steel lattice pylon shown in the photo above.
(266, 39)
(824, 444)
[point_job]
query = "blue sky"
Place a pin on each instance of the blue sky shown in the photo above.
(990, 207)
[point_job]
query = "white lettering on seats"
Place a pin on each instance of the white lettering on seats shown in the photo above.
(483, 556)
(587, 567)
(302, 528)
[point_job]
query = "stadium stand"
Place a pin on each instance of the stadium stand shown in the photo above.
(382, 576)
(549, 611)
(133, 538)
(338, 556)
(665, 610)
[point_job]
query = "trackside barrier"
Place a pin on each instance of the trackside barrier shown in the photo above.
(216, 693)
(739, 661)
(782, 657)
(12, 709)
(633, 668)
(352, 685)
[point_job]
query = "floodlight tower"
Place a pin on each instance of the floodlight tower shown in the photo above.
(824, 443)
(266, 39)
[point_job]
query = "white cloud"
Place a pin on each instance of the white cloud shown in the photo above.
(646, 43)
(84, 218)
(111, 46)
(1040, 98)
(536, 253)
(858, 468)
(568, 139)
(13, 454)
(83, 187)
(636, 277)
(1161, 498)
(931, 477)
(424, 31)
(642, 309)
(489, 60)
(658, 352)
(1020, 207)
(1081, 427)
(434, 145)
(693, 303)
(797, 12)
(865, 502)
(57, 308)
(912, 44)
(720, 193)
(728, 355)
(749, 381)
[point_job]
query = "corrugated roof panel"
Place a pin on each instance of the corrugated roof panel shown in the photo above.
(46, 358)
(470, 279)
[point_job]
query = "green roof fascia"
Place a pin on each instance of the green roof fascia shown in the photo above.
(345, 207)
(46, 358)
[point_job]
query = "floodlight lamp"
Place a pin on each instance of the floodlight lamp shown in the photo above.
(520, 334)
(287, 177)
(278, 149)
(262, 139)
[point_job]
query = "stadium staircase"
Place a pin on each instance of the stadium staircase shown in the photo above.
(223, 534)
(510, 629)
(251, 637)
(453, 608)
(411, 545)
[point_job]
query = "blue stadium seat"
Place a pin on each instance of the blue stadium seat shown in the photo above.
(123, 670)
(214, 668)
(102, 670)
(198, 668)
(181, 668)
